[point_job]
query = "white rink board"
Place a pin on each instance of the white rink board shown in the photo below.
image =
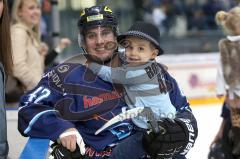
(195, 73)
(208, 124)
(209, 120)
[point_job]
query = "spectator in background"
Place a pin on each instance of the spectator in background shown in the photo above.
(228, 84)
(5, 67)
(10, 4)
(194, 15)
(143, 9)
(158, 16)
(63, 43)
(198, 20)
(209, 9)
(29, 54)
(28, 57)
(45, 19)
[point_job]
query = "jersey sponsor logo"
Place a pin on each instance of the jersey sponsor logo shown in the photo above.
(93, 107)
(91, 101)
(94, 101)
(90, 152)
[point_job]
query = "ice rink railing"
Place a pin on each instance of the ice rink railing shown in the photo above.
(35, 148)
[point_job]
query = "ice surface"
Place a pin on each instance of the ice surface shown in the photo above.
(208, 117)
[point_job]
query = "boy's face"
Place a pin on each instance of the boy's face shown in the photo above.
(139, 51)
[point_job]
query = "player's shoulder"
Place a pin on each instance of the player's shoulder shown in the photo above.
(162, 66)
(63, 70)
(164, 70)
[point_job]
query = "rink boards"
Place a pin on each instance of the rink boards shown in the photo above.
(195, 74)
(35, 149)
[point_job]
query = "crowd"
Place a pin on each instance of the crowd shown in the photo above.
(174, 16)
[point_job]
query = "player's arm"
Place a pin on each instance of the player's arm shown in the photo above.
(120, 75)
(37, 116)
(181, 132)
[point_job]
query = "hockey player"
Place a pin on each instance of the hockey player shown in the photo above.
(70, 103)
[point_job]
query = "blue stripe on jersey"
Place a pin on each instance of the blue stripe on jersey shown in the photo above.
(35, 118)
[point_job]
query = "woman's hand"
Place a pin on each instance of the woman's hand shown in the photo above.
(63, 43)
(43, 49)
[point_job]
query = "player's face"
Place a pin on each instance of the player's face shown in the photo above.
(139, 51)
(96, 40)
(30, 12)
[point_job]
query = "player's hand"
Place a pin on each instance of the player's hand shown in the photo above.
(173, 141)
(58, 151)
(70, 138)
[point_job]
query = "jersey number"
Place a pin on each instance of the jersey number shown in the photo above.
(38, 95)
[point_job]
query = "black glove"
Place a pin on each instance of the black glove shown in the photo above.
(61, 152)
(165, 145)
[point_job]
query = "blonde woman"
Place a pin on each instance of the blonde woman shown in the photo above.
(28, 51)
(28, 57)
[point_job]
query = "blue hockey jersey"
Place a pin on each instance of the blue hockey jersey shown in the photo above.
(70, 95)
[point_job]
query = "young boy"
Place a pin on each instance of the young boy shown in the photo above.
(142, 76)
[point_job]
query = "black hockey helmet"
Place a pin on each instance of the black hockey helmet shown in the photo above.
(97, 16)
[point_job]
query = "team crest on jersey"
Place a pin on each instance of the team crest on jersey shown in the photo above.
(63, 68)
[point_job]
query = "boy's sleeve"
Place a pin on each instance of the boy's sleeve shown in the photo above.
(119, 75)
